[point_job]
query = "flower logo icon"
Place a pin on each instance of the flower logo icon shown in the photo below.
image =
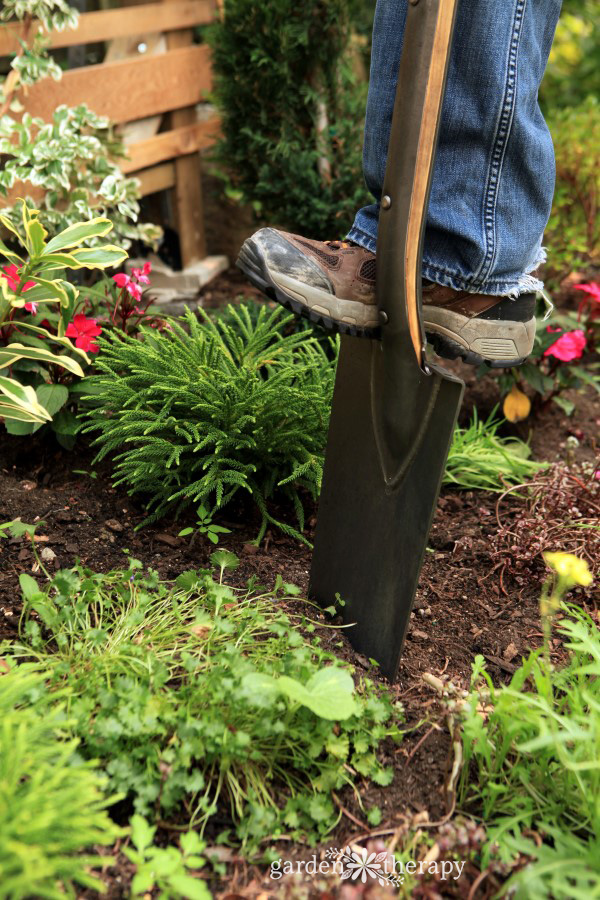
(362, 865)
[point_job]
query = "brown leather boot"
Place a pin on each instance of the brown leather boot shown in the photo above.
(333, 284)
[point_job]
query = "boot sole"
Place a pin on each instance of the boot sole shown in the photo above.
(499, 344)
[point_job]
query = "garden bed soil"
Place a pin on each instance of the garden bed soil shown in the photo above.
(460, 609)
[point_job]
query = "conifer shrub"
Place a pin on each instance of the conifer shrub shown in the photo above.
(292, 112)
(208, 409)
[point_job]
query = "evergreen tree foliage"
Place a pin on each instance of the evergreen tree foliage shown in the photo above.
(206, 410)
(292, 112)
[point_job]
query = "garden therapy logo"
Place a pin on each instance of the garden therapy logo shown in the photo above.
(359, 864)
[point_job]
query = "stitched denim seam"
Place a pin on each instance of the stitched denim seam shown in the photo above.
(499, 149)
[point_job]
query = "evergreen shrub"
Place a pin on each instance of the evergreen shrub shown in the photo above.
(292, 112)
(202, 412)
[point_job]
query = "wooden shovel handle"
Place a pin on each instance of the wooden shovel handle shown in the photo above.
(425, 153)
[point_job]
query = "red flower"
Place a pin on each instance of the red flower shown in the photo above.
(124, 281)
(11, 273)
(84, 331)
(592, 289)
(568, 347)
(142, 274)
(31, 307)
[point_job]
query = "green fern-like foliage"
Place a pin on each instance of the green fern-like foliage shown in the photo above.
(211, 408)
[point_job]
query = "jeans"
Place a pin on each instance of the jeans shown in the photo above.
(494, 172)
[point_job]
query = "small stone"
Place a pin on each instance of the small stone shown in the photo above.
(419, 635)
(48, 554)
(114, 525)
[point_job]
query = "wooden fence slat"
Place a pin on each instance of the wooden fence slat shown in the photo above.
(170, 145)
(129, 89)
(149, 18)
(158, 178)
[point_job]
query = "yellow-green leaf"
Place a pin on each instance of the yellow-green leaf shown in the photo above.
(76, 234)
(105, 257)
(13, 352)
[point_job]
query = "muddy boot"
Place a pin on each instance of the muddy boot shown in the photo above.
(332, 283)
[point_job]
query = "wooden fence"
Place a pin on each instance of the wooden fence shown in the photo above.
(169, 84)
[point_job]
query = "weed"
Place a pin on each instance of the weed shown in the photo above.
(165, 868)
(480, 460)
(560, 512)
(531, 759)
(200, 700)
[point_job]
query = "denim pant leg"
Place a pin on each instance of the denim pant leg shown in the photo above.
(494, 173)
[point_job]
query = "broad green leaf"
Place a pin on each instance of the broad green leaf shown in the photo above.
(29, 586)
(329, 693)
(45, 291)
(52, 396)
(59, 261)
(100, 257)
(14, 413)
(58, 339)
(11, 354)
(224, 559)
(36, 234)
(76, 234)
(23, 401)
(13, 426)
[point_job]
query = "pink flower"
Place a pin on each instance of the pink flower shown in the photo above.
(592, 289)
(11, 273)
(124, 281)
(84, 331)
(31, 307)
(568, 347)
(142, 274)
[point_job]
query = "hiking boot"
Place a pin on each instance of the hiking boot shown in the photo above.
(332, 283)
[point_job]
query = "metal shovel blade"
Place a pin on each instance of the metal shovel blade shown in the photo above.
(393, 415)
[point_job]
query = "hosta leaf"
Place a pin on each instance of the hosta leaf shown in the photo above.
(76, 234)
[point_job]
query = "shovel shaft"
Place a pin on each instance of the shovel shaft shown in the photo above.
(393, 418)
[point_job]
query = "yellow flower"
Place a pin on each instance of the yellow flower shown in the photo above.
(568, 566)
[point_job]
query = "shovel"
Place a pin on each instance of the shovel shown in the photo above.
(393, 412)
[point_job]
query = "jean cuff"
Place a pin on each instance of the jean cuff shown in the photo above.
(513, 287)
(360, 237)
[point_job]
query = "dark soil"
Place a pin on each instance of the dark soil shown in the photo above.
(461, 609)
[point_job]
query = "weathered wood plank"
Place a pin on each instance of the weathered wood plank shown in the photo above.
(128, 89)
(158, 178)
(170, 145)
(106, 24)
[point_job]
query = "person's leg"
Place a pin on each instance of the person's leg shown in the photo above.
(494, 173)
(490, 200)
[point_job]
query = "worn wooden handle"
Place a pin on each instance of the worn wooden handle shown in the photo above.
(425, 153)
